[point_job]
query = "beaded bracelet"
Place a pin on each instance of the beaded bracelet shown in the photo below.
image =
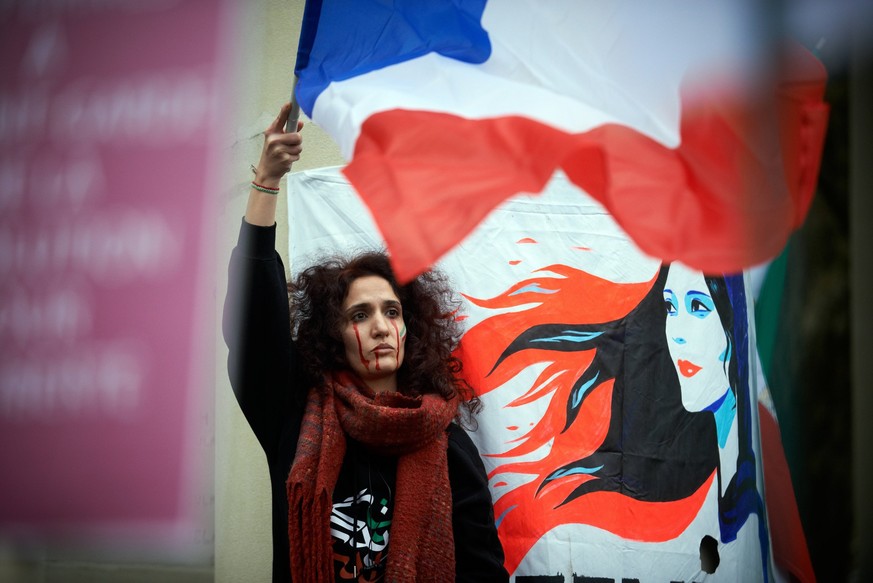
(264, 189)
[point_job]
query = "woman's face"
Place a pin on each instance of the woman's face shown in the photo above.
(695, 337)
(373, 331)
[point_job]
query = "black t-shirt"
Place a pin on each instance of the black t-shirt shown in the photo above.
(363, 503)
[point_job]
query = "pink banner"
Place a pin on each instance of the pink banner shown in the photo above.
(105, 112)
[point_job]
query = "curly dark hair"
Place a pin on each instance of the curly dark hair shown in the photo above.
(429, 310)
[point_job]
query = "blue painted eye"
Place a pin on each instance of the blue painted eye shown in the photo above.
(699, 304)
(670, 303)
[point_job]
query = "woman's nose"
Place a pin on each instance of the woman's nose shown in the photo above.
(380, 325)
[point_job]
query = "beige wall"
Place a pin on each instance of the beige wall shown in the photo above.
(263, 45)
(264, 61)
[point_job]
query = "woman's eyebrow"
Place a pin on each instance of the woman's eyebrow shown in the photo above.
(365, 306)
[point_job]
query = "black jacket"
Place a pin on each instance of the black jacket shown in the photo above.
(264, 373)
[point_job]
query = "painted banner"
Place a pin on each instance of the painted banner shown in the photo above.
(106, 117)
(681, 118)
(620, 427)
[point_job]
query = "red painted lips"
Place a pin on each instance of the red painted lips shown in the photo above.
(687, 368)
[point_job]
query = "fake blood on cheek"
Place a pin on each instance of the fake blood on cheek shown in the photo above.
(364, 361)
(397, 338)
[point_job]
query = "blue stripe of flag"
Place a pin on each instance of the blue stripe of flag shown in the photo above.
(341, 39)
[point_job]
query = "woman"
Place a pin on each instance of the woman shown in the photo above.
(352, 394)
(706, 337)
(610, 413)
(629, 430)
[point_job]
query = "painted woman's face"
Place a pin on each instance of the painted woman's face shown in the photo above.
(374, 334)
(695, 337)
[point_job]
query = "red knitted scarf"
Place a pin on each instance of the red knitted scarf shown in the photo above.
(421, 543)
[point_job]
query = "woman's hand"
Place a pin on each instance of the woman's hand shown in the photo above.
(281, 149)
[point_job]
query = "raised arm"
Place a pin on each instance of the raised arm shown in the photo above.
(256, 324)
(281, 149)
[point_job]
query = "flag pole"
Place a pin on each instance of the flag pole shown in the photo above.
(308, 30)
(291, 124)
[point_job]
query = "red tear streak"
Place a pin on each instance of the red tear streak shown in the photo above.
(397, 337)
(364, 361)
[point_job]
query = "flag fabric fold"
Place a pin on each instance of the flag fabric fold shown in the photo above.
(446, 111)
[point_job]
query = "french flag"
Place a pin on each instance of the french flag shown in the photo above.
(446, 108)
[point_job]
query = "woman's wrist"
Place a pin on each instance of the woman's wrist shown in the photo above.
(266, 180)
